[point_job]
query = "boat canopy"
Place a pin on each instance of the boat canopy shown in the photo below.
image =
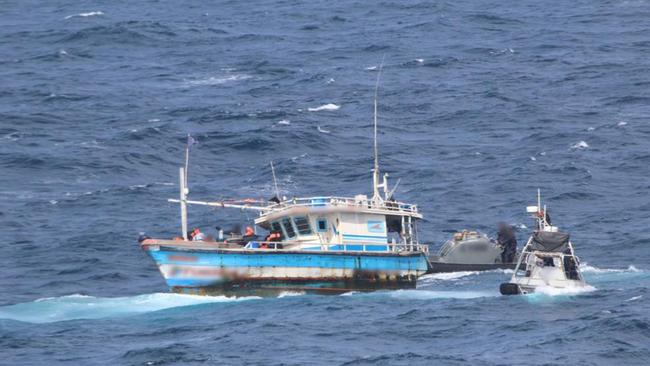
(547, 241)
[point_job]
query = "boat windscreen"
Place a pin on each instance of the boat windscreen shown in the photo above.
(550, 241)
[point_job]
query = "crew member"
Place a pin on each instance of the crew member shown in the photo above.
(197, 235)
(506, 238)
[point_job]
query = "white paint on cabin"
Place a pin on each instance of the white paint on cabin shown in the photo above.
(328, 228)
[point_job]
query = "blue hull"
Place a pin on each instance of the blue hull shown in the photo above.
(219, 270)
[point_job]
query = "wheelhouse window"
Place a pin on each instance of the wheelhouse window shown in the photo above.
(288, 228)
(302, 225)
(321, 225)
(276, 228)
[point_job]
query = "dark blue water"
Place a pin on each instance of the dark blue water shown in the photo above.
(480, 104)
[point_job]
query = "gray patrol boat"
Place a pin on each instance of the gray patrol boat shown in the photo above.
(468, 251)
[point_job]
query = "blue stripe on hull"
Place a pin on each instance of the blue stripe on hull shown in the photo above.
(358, 261)
(191, 268)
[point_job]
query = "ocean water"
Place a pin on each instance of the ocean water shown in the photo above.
(481, 103)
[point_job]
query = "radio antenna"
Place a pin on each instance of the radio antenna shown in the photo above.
(376, 198)
(275, 182)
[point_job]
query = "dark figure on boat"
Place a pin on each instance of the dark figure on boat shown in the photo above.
(508, 241)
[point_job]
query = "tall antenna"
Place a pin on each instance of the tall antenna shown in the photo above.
(375, 172)
(275, 182)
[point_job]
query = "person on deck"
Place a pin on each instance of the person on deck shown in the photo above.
(249, 234)
(508, 241)
(197, 235)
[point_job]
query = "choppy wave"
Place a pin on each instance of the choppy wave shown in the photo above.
(565, 291)
(431, 294)
(72, 307)
(85, 15)
(586, 268)
(322, 130)
(447, 276)
(324, 107)
(217, 80)
(580, 145)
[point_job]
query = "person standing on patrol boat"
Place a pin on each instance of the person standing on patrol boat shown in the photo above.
(507, 240)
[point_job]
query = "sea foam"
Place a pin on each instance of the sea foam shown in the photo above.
(84, 15)
(580, 145)
(213, 80)
(325, 107)
(73, 307)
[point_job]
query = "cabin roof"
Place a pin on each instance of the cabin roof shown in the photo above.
(326, 205)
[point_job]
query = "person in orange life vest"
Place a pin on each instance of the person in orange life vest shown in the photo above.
(197, 235)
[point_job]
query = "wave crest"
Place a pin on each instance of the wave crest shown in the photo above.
(77, 306)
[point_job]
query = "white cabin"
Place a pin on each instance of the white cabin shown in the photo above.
(338, 223)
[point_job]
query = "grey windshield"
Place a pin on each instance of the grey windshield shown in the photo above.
(550, 242)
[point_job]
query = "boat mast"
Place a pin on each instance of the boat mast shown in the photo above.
(187, 160)
(275, 182)
(183, 201)
(376, 197)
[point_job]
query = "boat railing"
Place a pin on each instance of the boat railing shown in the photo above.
(345, 202)
(352, 247)
(526, 254)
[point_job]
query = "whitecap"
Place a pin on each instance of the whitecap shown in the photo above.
(284, 122)
(331, 80)
(591, 129)
(432, 295)
(621, 124)
(213, 80)
(325, 107)
(562, 291)
(53, 202)
(580, 145)
(502, 51)
(84, 15)
(153, 120)
(533, 158)
(350, 293)
(447, 276)
(72, 307)
(635, 298)
(13, 136)
(322, 130)
(586, 268)
(290, 294)
(371, 67)
(419, 60)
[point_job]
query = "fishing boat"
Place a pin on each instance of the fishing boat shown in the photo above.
(468, 251)
(321, 244)
(548, 259)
